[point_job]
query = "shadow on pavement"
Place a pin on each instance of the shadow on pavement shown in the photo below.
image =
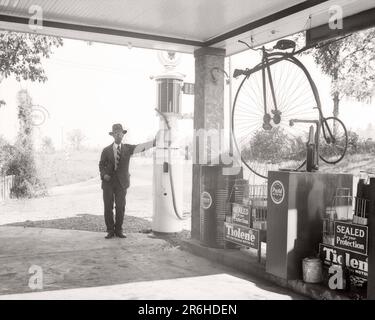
(86, 222)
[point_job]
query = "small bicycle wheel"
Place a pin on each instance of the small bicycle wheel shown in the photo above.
(333, 140)
(279, 145)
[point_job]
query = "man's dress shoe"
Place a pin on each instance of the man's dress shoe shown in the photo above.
(120, 235)
(110, 235)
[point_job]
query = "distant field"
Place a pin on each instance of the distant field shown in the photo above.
(351, 164)
(61, 168)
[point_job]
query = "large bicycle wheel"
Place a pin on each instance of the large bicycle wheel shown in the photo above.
(282, 146)
(333, 140)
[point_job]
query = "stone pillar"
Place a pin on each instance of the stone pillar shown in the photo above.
(208, 114)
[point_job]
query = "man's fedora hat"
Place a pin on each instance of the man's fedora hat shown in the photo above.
(117, 127)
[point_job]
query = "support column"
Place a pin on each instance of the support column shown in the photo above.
(371, 252)
(208, 114)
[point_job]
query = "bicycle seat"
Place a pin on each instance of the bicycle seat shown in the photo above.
(285, 44)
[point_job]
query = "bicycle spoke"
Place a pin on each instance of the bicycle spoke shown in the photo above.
(263, 150)
(251, 95)
(333, 152)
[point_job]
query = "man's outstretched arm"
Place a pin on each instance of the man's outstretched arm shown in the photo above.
(144, 146)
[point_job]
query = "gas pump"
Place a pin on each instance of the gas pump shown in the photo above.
(168, 159)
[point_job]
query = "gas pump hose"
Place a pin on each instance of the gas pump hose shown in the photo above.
(178, 215)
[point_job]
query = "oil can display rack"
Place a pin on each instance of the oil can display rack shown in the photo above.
(246, 224)
(345, 238)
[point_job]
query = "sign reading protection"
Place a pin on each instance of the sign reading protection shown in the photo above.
(241, 214)
(241, 235)
(351, 237)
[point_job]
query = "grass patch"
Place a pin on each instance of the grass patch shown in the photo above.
(62, 168)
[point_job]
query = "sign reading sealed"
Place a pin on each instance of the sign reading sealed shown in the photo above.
(350, 236)
(277, 192)
(241, 215)
(356, 263)
(241, 235)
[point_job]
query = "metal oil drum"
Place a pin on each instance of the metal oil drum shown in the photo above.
(312, 270)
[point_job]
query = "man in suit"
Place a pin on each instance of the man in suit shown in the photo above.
(114, 173)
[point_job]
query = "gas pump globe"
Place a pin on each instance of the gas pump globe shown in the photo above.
(168, 159)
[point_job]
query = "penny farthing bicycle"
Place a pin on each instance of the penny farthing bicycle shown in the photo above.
(274, 102)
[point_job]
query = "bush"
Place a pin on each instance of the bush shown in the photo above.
(6, 153)
(22, 166)
(18, 161)
(47, 145)
(274, 146)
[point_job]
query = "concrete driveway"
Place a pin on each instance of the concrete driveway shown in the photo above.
(84, 265)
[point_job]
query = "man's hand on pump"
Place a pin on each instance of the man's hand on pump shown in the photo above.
(107, 177)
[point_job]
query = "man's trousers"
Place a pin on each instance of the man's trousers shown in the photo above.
(114, 193)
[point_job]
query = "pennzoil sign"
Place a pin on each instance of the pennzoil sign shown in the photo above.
(277, 192)
(241, 235)
(206, 200)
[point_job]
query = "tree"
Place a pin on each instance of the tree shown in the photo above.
(21, 54)
(47, 145)
(353, 142)
(25, 132)
(369, 146)
(350, 63)
(76, 137)
(21, 161)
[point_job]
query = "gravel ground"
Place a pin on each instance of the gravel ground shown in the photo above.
(86, 222)
(95, 223)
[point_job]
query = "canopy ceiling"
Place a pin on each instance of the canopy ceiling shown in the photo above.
(176, 24)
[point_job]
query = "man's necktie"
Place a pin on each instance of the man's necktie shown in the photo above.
(118, 155)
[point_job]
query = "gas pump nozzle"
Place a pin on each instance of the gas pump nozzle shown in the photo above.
(164, 118)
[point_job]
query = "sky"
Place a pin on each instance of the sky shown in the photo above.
(92, 86)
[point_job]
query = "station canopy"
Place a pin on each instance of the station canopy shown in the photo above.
(176, 25)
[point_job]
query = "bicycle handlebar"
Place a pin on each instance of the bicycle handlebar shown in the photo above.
(240, 72)
(247, 72)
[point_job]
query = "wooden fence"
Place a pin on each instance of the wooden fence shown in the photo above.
(6, 184)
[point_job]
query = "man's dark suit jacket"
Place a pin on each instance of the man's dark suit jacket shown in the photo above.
(107, 162)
